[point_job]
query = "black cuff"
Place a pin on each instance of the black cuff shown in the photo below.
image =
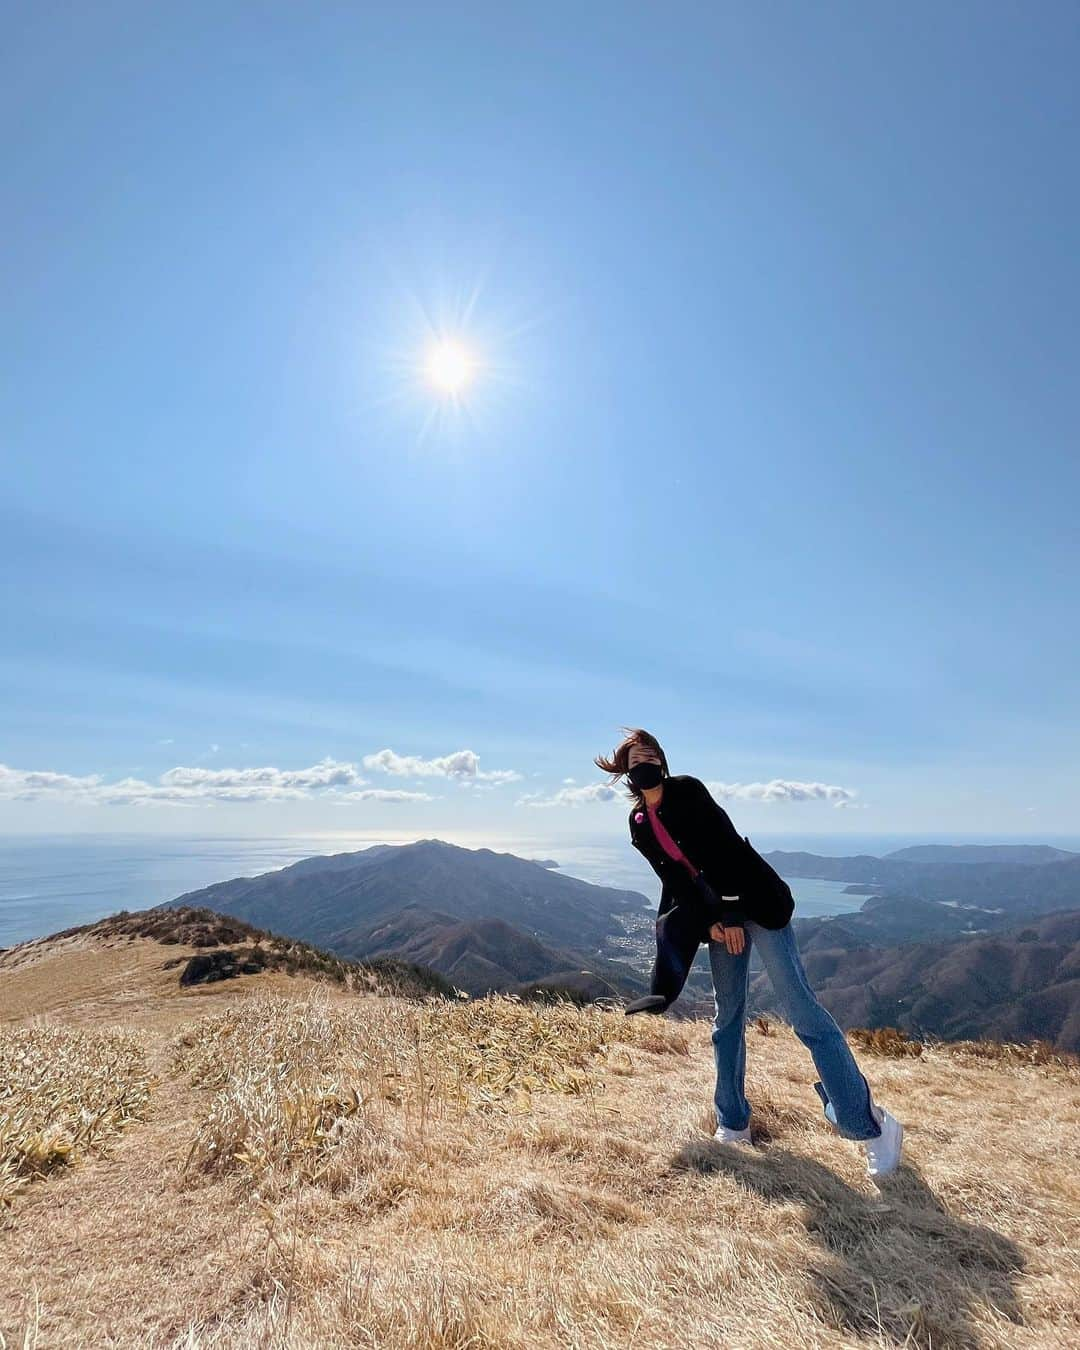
(728, 914)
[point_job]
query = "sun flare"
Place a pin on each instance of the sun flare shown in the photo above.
(450, 366)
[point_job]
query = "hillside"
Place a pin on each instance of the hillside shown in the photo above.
(886, 921)
(964, 853)
(486, 921)
(1018, 985)
(987, 876)
(152, 952)
(306, 1166)
(344, 902)
(490, 955)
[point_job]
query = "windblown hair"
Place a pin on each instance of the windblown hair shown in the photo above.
(619, 762)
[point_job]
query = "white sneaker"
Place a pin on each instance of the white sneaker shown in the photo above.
(883, 1153)
(725, 1136)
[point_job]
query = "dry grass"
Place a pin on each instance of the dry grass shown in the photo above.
(288, 1074)
(1043, 1053)
(367, 1171)
(63, 1092)
(888, 1041)
(893, 1043)
(79, 975)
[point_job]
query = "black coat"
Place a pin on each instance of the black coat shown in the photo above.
(728, 861)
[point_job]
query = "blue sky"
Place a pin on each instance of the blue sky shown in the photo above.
(771, 447)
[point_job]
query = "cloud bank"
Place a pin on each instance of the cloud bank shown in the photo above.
(777, 790)
(340, 781)
(329, 780)
(783, 790)
(572, 796)
(462, 765)
(185, 786)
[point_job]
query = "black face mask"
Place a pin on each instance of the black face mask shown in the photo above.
(646, 775)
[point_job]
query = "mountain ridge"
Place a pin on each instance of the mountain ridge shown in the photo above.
(1020, 888)
(1022, 984)
(348, 902)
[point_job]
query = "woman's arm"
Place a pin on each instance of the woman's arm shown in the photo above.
(751, 876)
(730, 860)
(718, 819)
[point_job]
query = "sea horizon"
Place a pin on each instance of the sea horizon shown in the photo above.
(49, 882)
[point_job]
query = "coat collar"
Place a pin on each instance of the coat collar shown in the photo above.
(673, 784)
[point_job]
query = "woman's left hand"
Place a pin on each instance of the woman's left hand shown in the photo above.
(733, 938)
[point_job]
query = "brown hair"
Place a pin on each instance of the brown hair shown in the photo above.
(619, 760)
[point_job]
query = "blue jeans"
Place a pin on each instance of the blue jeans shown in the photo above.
(841, 1084)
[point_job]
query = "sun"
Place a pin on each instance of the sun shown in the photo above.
(450, 366)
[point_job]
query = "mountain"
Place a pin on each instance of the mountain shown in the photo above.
(181, 946)
(337, 900)
(971, 853)
(480, 955)
(482, 919)
(1017, 985)
(1016, 887)
(886, 921)
(492, 921)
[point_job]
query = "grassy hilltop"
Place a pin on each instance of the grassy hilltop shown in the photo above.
(306, 1156)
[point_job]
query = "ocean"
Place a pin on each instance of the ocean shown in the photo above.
(50, 882)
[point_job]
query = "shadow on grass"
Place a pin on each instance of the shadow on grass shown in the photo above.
(897, 1268)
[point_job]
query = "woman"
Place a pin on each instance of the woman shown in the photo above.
(723, 892)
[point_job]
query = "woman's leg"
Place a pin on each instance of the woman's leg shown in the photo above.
(842, 1084)
(730, 975)
(678, 936)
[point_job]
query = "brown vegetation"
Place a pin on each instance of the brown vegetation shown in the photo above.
(211, 947)
(888, 1041)
(317, 1167)
(288, 1077)
(62, 1092)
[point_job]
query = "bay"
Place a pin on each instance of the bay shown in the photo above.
(51, 882)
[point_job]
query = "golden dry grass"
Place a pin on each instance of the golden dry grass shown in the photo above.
(62, 1092)
(322, 1169)
(289, 1075)
(73, 973)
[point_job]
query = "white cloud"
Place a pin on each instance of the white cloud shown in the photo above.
(783, 790)
(778, 790)
(463, 766)
(384, 795)
(24, 785)
(341, 781)
(191, 786)
(327, 773)
(573, 796)
(136, 792)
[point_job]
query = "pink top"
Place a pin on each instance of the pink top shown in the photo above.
(666, 842)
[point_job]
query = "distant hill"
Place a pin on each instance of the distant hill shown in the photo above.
(886, 921)
(1016, 887)
(972, 853)
(484, 921)
(481, 955)
(1016, 985)
(419, 953)
(203, 947)
(342, 902)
